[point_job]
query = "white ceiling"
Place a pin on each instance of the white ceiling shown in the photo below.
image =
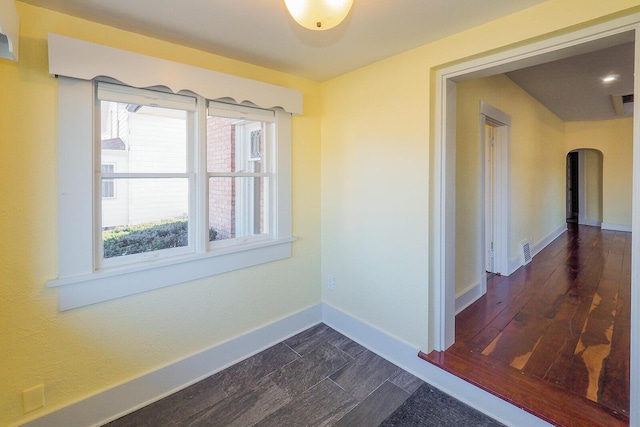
(573, 88)
(261, 32)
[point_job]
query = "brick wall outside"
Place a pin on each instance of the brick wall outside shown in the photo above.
(221, 158)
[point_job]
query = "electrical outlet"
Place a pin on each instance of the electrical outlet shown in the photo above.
(33, 398)
(331, 282)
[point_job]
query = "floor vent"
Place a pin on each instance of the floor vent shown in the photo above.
(525, 251)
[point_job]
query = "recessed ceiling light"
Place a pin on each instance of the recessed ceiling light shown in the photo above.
(609, 78)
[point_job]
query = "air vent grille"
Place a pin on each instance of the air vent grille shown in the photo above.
(525, 251)
(623, 104)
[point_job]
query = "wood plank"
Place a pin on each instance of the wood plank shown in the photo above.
(515, 344)
(558, 371)
(528, 278)
(613, 266)
(594, 344)
(559, 341)
(472, 320)
(618, 244)
(543, 399)
(556, 249)
(577, 288)
(615, 381)
(589, 277)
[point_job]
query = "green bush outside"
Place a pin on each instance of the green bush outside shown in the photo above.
(152, 236)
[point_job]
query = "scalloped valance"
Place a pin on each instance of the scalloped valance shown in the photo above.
(85, 60)
(9, 30)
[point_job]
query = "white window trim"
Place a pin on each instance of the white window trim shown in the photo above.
(79, 282)
(242, 155)
(125, 94)
(10, 28)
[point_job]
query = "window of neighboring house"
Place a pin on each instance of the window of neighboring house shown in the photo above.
(108, 184)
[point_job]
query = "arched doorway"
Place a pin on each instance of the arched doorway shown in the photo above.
(584, 187)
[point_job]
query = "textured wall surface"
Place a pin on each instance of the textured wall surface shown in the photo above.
(80, 352)
(366, 135)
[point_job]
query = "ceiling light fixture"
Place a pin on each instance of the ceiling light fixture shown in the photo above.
(610, 78)
(319, 14)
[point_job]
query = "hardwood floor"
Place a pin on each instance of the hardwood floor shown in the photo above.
(316, 378)
(553, 338)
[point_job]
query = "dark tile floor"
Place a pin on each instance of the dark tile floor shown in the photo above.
(316, 378)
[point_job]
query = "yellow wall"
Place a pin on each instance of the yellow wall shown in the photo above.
(377, 133)
(537, 171)
(614, 138)
(375, 214)
(83, 351)
(539, 143)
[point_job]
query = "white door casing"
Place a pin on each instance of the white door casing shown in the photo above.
(442, 227)
(495, 156)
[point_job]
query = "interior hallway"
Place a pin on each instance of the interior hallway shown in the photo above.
(553, 338)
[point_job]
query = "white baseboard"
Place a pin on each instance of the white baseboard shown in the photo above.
(516, 262)
(615, 227)
(125, 398)
(544, 242)
(590, 222)
(406, 357)
(468, 297)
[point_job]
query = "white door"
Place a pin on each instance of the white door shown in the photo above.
(489, 194)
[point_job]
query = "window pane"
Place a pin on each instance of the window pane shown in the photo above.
(237, 207)
(235, 145)
(144, 139)
(147, 215)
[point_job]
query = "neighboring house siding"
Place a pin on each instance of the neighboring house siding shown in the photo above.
(155, 148)
(116, 210)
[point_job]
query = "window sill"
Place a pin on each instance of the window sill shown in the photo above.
(107, 284)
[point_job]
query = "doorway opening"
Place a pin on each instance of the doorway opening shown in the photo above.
(573, 195)
(585, 187)
(443, 228)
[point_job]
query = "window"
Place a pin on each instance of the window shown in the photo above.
(239, 184)
(156, 218)
(183, 188)
(157, 133)
(169, 167)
